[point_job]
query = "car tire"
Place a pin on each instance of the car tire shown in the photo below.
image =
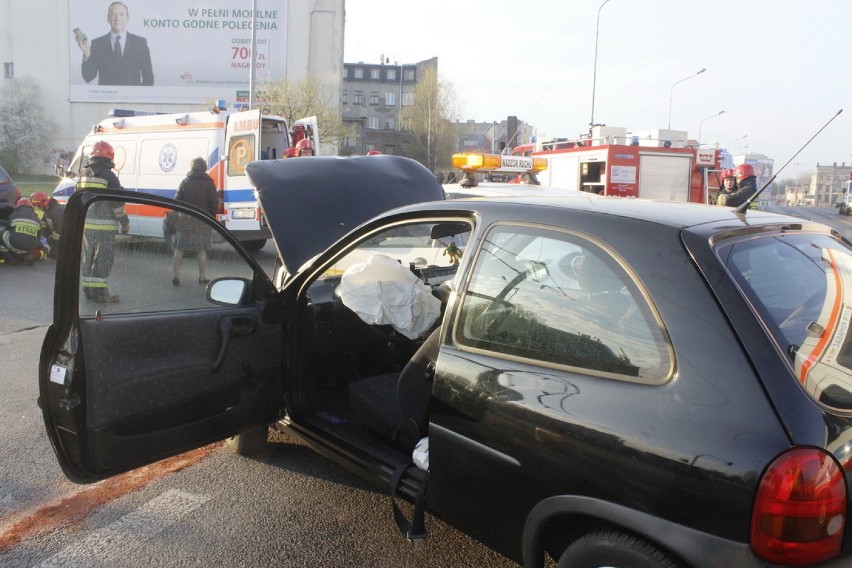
(254, 246)
(250, 442)
(615, 549)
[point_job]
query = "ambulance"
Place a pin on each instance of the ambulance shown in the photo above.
(153, 153)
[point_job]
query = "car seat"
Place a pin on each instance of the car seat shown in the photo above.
(396, 405)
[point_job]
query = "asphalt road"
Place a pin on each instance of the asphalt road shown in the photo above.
(288, 507)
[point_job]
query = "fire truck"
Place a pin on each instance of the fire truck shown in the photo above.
(153, 152)
(660, 164)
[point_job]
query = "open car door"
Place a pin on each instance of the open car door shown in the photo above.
(135, 368)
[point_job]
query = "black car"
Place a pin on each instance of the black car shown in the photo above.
(605, 381)
(9, 194)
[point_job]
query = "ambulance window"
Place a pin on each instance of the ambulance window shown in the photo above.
(123, 274)
(241, 151)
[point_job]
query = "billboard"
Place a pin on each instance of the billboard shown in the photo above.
(173, 52)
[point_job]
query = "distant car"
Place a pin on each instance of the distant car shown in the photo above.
(9, 194)
(602, 381)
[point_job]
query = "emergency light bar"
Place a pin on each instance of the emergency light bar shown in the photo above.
(498, 163)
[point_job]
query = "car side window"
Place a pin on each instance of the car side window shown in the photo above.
(122, 274)
(557, 298)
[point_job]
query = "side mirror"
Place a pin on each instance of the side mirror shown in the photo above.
(227, 291)
(60, 170)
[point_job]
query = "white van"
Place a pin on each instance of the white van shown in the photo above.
(153, 153)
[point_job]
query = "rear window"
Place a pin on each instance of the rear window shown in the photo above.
(801, 287)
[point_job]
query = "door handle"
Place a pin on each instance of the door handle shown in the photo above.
(229, 327)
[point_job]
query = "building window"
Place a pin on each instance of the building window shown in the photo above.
(358, 98)
(373, 122)
(407, 99)
(375, 74)
(9, 70)
(374, 98)
(390, 99)
(346, 72)
(408, 75)
(390, 124)
(406, 123)
(344, 97)
(391, 74)
(359, 73)
(390, 150)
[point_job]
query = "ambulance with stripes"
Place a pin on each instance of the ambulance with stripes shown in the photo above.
(153, 153)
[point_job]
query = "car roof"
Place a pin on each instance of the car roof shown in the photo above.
(309, 203)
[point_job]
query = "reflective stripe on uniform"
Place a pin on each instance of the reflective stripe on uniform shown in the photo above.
(93, 282)
(93, 224)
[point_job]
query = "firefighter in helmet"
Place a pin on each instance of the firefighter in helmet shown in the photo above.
(746, 186)
(103, 221)
(728, 185)
(304, 147)
(19, 240)
(290, 152)
(51, 212)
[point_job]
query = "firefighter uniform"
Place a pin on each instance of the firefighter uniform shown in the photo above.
(103, 221)
(51, 224)
(20, 239)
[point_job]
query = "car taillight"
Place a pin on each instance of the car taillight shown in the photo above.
(800, 509)
(17, 194)
(220, 195)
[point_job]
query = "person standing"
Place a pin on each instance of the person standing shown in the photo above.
(118, 57)
(197, 189)
(746, 186)
(728, 186)
(51, 220)
(103, 221)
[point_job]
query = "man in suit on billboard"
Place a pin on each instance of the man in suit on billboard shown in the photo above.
(117, 58)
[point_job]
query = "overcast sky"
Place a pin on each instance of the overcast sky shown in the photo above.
(780, 69)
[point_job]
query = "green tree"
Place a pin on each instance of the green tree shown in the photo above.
(26, 133)
(301, 99)
(431, 118)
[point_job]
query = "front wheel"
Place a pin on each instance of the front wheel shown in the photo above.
(254, 246)
(615, 549)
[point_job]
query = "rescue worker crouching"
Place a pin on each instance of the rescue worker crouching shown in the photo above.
(19, 239)
(103, 221)
(51, 220)
(746, 187)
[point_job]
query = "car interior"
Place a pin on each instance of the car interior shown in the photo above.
(366, 381)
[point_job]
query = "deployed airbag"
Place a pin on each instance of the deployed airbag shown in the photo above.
(383, 292)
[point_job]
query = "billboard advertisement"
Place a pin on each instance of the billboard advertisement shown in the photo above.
(173, 52)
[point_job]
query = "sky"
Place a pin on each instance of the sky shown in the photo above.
(779, 69)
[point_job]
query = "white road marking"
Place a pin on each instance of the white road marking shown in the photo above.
(109, 546)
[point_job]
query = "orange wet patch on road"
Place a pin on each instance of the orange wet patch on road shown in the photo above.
(70, 511)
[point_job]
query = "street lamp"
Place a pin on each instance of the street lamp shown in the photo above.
(728, 145)
(595, 69)
(700, 124)
(671, 93)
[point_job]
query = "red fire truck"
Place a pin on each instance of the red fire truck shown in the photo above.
(658, 165)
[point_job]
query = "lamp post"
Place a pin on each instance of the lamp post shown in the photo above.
(796, 191)
(700, 124)
(728, 145)
(595, 69)
(671, 94)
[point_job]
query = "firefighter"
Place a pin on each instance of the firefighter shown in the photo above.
(304, 147)
(728, 185)
(51, 220)
(19, 240)
(290, 152)
(746, 186)
(103, 221)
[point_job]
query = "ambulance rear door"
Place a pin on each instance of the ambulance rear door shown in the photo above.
(242, 141)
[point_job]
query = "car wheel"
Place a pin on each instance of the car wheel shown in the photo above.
(254, 246)
(249, 442)
(615, 549)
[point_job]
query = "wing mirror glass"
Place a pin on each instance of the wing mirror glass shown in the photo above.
(227, 291)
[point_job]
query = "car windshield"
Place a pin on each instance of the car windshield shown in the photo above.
(801, 287)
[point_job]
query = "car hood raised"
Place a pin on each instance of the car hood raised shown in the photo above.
(311, 202)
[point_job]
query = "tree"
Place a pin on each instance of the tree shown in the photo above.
(431, 119)
(301, 99)
(26, 134)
